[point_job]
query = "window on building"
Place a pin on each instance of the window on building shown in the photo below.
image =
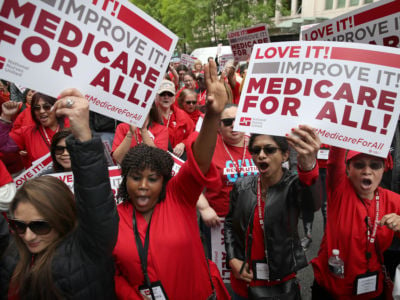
(341, 3)
(354, 2)
(328, 4)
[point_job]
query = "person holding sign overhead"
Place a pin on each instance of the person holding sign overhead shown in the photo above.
(261, 237)
(361, 222)
(63, 245)
(159, 252)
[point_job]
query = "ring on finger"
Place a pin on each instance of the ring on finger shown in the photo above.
(69, 103)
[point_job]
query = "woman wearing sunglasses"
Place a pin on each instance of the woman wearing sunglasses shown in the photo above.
(64, 245)
(34, 139)
(261, 238)
(59, 152)
(362, 220)
(187, 101)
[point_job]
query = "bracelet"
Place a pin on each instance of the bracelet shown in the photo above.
(5, 121)
(312, 168)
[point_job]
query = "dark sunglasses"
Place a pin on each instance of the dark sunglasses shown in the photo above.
(37, 227)
(45, 106)
(228, 121)
(256, 150)
(375, 165)
(191, 102)
(169, 94)
(59, 149)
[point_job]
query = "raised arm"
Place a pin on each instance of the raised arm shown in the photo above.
(7, 144)
(98, 219)
(203, 147)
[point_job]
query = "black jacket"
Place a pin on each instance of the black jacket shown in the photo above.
(282, 208)
(82, 266)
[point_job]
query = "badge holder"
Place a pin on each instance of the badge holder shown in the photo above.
(366, 283)
(260, 269)
(157, 288)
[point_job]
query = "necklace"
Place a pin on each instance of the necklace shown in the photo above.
(237, 169)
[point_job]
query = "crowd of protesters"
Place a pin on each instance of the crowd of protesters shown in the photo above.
(55, 244)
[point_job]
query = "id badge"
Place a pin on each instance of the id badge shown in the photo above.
(260, 269)
(366, 283)
(158, 291)
(323, 154)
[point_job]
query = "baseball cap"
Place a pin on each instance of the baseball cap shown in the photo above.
(167, 86)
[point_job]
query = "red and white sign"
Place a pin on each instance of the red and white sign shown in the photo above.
(377, 24)
(178, 163)
(242, 40)
(218, 252)
(223, 59)
(38, 167)
(110, 50)
(349, 92)
(188, 60)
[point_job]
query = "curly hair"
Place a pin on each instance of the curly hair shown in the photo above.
(143, 157)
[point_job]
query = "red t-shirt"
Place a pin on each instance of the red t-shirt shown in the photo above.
(24, 118)
(346, 230)
(176, 256)
(158, 132)
(180, 126)
(217, 194)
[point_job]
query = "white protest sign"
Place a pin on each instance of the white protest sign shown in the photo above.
(188, 60)
(223, 59)
(377, 23)
(347, 91)
(242, 40)
(110, 50)
(218, 252)
(38, 167)
(113, 172)
(178, 163)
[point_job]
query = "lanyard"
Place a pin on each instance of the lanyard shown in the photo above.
(169, 118)
(143, 251)
(371, 237)
(47, 140)
(260, 211)
(237, 169)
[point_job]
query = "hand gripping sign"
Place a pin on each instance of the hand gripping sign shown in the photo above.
(349, 92)
(377, 24)
(108, 49)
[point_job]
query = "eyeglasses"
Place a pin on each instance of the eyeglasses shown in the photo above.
(37, 227)
(59, 150)
(169, 94)
(188, 81)
(191, 102)
(45, 106)
(256, 150)
(375, 165)
(228, 121)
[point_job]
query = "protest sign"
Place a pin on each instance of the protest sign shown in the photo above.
(377, 23)
(188, 60)
(218, 252)
(178, 163)
(110, 50)
(242, 40)
(223, 59)
(38, 167)
(347, 91)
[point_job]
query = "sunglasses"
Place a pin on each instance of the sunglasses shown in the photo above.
(256, 150)
(228, 121)
(59, 150)
(191, 102)
(169, 94)
(37, 227)
(375, 165)
(45, 107)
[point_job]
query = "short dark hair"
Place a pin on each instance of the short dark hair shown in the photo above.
(279, 140)
(35, 99)
(143, 157)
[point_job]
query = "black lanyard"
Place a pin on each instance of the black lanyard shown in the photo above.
(143, 251)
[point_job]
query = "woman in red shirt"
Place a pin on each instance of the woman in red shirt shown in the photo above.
(187, 101)
(158, 241)
(34, 139)
(152, 133)
(362, 219)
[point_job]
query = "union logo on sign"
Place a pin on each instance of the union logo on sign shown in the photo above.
(2, 61)
(245, 121)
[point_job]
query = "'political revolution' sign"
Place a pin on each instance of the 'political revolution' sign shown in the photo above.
(108, 49)
(349, 92)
